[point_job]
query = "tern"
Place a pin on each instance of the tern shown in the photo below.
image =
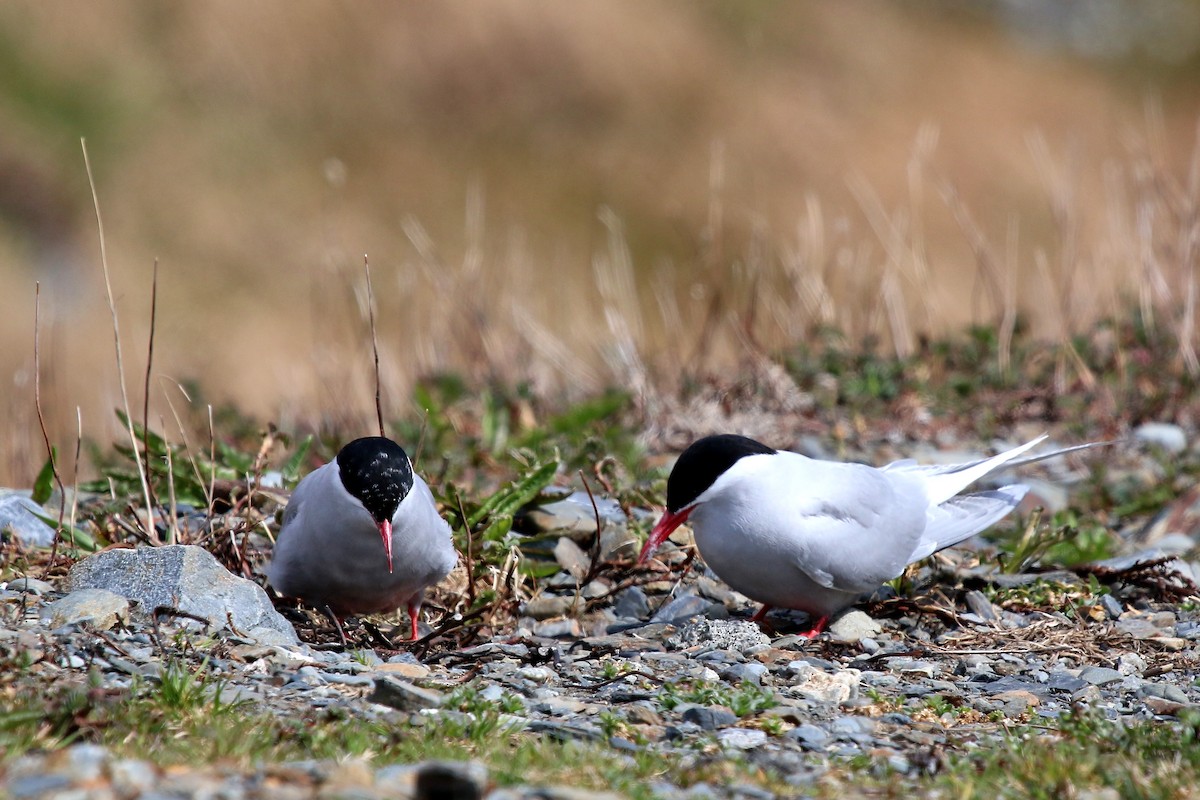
(362, 535)
(795, 532)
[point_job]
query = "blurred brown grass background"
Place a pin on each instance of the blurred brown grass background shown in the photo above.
(562, 193)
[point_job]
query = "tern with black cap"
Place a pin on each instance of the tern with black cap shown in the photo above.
(795, 532)
(362, 535)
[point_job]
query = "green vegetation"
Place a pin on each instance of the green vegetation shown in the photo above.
(1081, 752)
(182, 719)
(746, 700)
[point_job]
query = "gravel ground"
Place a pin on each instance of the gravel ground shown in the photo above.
(899, 680)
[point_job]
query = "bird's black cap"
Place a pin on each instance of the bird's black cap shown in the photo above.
(376, 471)
(703, 462)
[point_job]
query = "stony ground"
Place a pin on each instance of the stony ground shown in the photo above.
(632, 663)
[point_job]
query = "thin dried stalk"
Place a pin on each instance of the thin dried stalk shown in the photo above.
(37, 402)
(151, 533)
(374, 344)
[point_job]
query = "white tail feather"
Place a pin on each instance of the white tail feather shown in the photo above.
(960, 518)
(944, 482)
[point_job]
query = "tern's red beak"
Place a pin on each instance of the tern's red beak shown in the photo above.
(385, 530)
(662, 530)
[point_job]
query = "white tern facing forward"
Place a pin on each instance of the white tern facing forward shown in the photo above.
(362, 535)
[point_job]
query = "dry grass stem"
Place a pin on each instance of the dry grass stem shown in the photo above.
(151, 533)
(75, 467)
(374, 345)
(149, 366)
(187, 445)
(173, 519)
(37, 402)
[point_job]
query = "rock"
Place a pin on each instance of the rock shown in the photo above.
(709, 718)
(574, 516)
(571, 558)
(403, 696)
(18, 514)
(559, 629)
(1169, 437)
(752, 672)
(852, 626)
(1159, 705)
(562, 706)
(1111, 605)
(1131, 664)
(1170, 642)
(855, 729)
(1064, 682)
(631, 603)
(1138, 628)
(618, 542)
(37, 786)
(816, 684)
(1164, 691)
(99, 608)
(1140, 625)
(30, 586)
(451, 780)
(681, 609)
(980, 606)
(132, 777)
(810, 737)
(716, 590)
(642, 715)
(741, 738)
(536, 674)
(1017, 700)
(723, 634)
(547, 606)
(189, 579)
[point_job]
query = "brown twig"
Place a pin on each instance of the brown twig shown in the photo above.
(416, 458)
(212, 468)
(151, 533)
(146, 382)
(187, 445)
(173, 522)
(374, 344)
(75, 472)
(470, 551)
(593, 567)
(37, 402)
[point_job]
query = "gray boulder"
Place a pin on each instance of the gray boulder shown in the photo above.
(189, 579)
(19, 514)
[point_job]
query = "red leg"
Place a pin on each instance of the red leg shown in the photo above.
(761, 619)
(816, 629)
(413, 608)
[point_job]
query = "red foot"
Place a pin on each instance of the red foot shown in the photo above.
(816, 629)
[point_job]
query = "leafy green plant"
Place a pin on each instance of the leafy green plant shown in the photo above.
(1064, 541)
(43, 484)
(746, 700)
